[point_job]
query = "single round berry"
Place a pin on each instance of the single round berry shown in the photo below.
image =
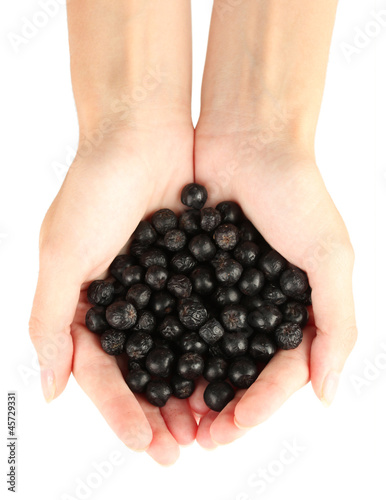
(225, 296)
(230, 212)
(137, 249)
(162, 303)
(137, 380)
(170, 328)
(96, 319)
(248, 232)
(100, 293)
(189, 222)
(145, 233)
(272, 264)
(190, 365)
(203, 280)
(229, 272)
(234, 317)
(119, 264)
(218, 394)
(220, 259)
(156, 277)
(133, 275)
(210, 219)
(262, 347)
(183, 262)
(211, 331)
(251, 281)
(138, 295)
(145, 322)
(226, 236)
(158, 392)
(293, 282)
(251, 302)
(164, 220)
(175, 240)
(273, 294)
(194, 195)
(192, 342)
(180, 286)
(247, 253)
(138, 345)
(182, 388)
(159, 362)
(288, 335)
(304, 298)
(234, 344)
(153, 257)
(265, 318)
(113, 342)
(121, 315)
(242, 372)
(216, 369)
(202, 247)
(192, 314)
(295, 312)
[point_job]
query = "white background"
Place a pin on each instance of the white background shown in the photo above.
(342, 447)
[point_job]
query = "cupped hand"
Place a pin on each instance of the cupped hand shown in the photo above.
(104, 196)
(280, 189)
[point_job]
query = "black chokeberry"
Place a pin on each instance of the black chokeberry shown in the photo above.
(211, 331)
(137, 380)
(183, 262)
(121, 315)
(164, 220)
(216, 369)
(162, 303)
(113, 342)
(203, 279)
(218, 394)
(175, 240)
(192, 342)
(171, 328)
(223, 296)
(272, 264)
(132, 275)
(138, 345)
(262, 347)
(156, 277)
(189, 222)
(234, 344)
(146, 321)
(251, 302)
(192, 314)
(265, 318)
(190, 365)
(119, 264)
(137, 248)
(138, 295)
(273, 294)
(293, 282)
(229, 272)
(194, 195)
(145, 233)
(180, 286)
(158, 392)
(96, 319)
(234, 317)
(100, 293)
(242, 372)
(182, 388)
(251, 281)
(248, 232)
(295, 312)
(210, 219)
(247, 253)
(153, 257)
(202, 247)
(159, 361)
(230, 211)
(288, 335)
(226, 236)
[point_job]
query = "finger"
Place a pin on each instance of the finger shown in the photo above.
(203, 436)
(99, 376)
(163, 448)
(196, 400)
(53, 310)
(180, 421)
(336, 334)
(223, 429)
(287, 372)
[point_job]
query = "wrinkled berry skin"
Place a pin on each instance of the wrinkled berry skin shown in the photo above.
(272, 264)
(216, 369)
(162, 303)
(190, 365)
(180, 286)
(288, 335)
(229, 272)
(192, 314)
(171, 328)
(153, 257)
(121, 315)
(211, 331)
(96, 319)
(202, 247)
(158, 392)
(218, 394)
(247, 253)
(225, 296)
(145, 233)
(182, 388)
(295, 312)
(262, 347)
(175, 240)
(234, 344)
(293, 282)
(145, 322)
(273, 294)
(113, 342)
(242, 372)
(137, 249)
(189, 222)
(210, 219)
(100, 293)
(132, 275)
(194, 195)
(137, 380)
(192, 342)
(203, 280)
(234, 317)
(183, 262)
(138, 295)
(138, 345)
(159, 362)
(230, 212)
(119, 264)
(251, 282)
(265, 318)
(164, 220)
(226, 236)
(156, 277)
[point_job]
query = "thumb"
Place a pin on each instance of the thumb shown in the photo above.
(55, 302)
(336, 332)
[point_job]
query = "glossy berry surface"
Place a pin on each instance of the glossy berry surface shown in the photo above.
(234, 344)
(251, 281)
(218, 394)
(247, 253)
(100, 293)
(230, 212)
(242, 372)
(132, 275)
(164, 220)
(194, 195)
(216, 369)
(145, 233)
(202, 247)
(229, 272)
(203, 280)
(262, 347)
(272, 264)
(190, 365)
(121, 315)
(96, 319)
(156, 277)
(137, 380)
(182, 388)
(211, 331)
(295, 312)
(171, 328)
(265, 318)
(192, 342)
(138, 295)
(159, 361)
(138, 345)
(158, 392)
(293, 282)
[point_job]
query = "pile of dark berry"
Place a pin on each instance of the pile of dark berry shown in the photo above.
(202, 294)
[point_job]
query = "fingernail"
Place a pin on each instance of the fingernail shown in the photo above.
(48, 384)
(329, 388)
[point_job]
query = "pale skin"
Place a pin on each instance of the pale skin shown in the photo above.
(261, 95)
